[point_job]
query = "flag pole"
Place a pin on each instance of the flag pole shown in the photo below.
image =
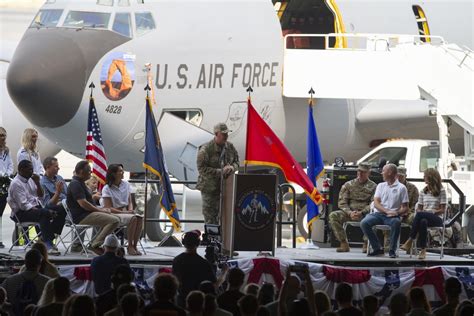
(309, 240)
(249, 90)
(145, 211)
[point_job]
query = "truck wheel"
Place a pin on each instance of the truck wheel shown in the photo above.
(302, 222)
(157, 231)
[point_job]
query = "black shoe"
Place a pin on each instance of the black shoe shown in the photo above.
(376, 253)
(2, 245)
(392, 254)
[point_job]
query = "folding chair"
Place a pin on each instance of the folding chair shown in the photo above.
(75, 231)
(383, 228)
(120, 229)
(443, 232)
(24, 229)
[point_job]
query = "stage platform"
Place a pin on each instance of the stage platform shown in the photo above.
(163, 256)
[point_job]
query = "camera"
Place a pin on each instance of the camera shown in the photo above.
(212, 240)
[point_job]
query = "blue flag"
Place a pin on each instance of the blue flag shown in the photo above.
(154, 162)
(315, 165)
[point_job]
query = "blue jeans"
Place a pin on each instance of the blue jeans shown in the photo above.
(381, 219)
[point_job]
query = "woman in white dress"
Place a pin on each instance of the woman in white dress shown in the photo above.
(116, 195)
(29, 150)
(6, 170)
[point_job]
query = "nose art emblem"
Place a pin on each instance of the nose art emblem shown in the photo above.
(118, 75)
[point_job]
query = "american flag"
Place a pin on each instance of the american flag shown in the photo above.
(95, 152)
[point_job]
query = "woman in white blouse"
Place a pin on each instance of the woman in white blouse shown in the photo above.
(116, 195)
(6, 170)
(29, 150)
(429, 212)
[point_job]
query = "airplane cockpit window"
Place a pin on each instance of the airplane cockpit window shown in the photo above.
(122, 24)
(395, 155)
(144, 22)
(193, 116)
(87, 19)
(429, 156)
(124, 3)
(46, 18)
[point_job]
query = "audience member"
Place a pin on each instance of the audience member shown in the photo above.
(429, 212)
(25, 288)
(53, 184)
(263, 311)
(103, 266)
(370, 305)
(465, 308)
(228, 300)
(195, 303)
(121, 292)
(398, 305)
(323, 303)
(82, 305)
(62, 292)
(210, 306)
(6, 171)
(248, 305)
(293, 288)
(130, 304)
(252, 289)
(329, 313)
(47, 297)
(68, 304)
(83, 210)
(266, 294)
(190, 268)
(24, 197)
(418, 302)
(306, 305)
(344, 301)
(29, 150)
(47, 268)
(164, 289)
(108, 300)
(4, 305)
(390, 202)
(452, 288)
(116, 195)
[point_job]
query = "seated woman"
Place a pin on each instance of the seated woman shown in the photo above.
(116, 195)
(429, 212)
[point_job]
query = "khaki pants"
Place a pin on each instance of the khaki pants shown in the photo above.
(107, 222)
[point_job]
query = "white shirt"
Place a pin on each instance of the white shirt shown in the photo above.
(118, 194)
(391, 196)
(6, 164)
(35, 159)
(22, 194)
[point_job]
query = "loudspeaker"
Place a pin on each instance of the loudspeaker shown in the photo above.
(170, 241)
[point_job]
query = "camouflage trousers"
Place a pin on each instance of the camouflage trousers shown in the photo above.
(210, 208)
(337, 220)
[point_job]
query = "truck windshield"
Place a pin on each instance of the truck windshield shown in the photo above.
(429, 156)
(395, 155)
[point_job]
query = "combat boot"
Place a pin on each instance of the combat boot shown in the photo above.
(343, 247)
(407, 245)
(364, 247)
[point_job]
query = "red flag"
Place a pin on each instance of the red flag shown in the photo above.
(265, 148)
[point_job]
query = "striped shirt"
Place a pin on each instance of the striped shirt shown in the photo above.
(430, 203)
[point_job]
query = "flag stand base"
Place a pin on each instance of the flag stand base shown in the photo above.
(309, 245)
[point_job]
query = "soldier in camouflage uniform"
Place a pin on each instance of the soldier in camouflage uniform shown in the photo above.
(210, 170)
(354, 203)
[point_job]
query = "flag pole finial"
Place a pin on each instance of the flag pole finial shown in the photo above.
(147, 89)
(249, 90)
(92, 86)
(311, 92)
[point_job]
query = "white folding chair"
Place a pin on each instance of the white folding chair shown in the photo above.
(75, 230)
(23, 229)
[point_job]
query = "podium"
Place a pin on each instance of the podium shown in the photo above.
(249, 212)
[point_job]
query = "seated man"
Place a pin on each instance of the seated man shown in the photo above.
(24, 199)
(390, 203)
(354, 203)
(83, 211)
(53, 185)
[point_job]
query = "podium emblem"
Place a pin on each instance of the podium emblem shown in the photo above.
(255, 210)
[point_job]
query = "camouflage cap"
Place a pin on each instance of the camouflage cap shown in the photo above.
(364, 166)
(402, 171)
(221, 127)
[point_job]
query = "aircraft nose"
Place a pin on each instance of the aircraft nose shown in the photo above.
(50, 70)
